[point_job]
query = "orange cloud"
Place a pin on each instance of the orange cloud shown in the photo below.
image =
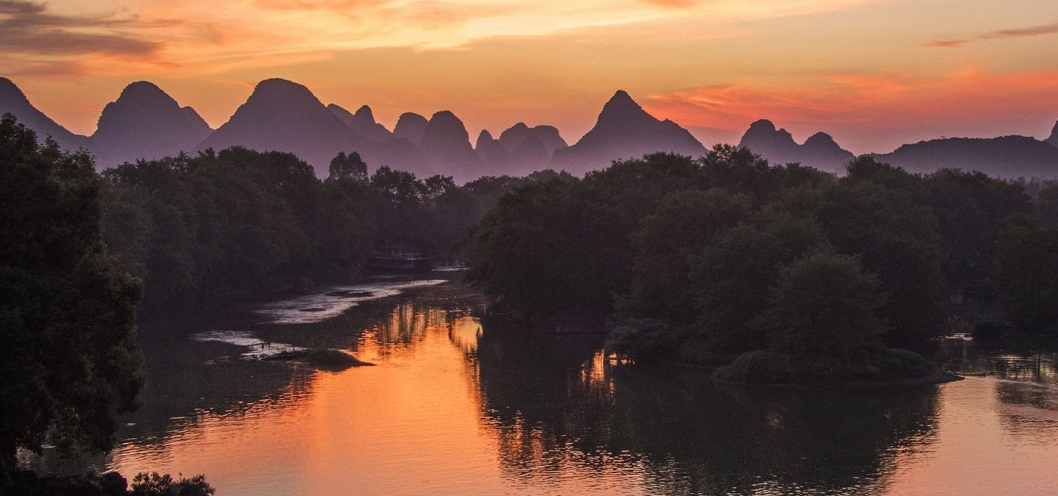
(1042, 30)
(874, 112)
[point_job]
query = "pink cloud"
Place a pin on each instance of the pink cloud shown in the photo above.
(873, 112)
(1041, 30)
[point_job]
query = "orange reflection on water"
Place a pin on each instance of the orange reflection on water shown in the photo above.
(402, 427)
(979, 453)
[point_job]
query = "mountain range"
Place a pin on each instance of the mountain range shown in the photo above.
(146, 123)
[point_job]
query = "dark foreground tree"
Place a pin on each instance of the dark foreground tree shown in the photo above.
(69, 362)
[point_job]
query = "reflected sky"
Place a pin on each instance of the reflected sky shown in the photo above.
(460, 404)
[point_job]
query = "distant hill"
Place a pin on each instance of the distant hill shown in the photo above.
(778, 147)
(624, 130)
(445, 144)
(1004, 157)
(146, 123)
(286, 116)
(13, 101)
(410, 126)
(363, 122)
(520, 149)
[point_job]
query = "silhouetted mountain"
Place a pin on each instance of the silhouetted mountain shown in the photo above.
(410, 126)
(493, 155)
(520, 150)
(146, 123)
(549, 137)
(624, 130)
(778, 147)
(1004, 157)
(13, 101)
(446, 146)
(363, 122)
(1053, 139)
(286, 116)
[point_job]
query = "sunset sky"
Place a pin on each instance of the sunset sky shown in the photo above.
(872, 73)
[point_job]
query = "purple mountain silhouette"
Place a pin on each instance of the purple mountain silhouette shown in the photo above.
(411, 127)
(146, 123)
(13, 101)
(285, 116)
(494, 157)
(548, 136)
(1005, 157)
(363, 122)
(624, 130)
(520, 149)
(446, 146)
(778, 147)
(1053, 139)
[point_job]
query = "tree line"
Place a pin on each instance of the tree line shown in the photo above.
(700, 261)
(80, 252)
(239, 224)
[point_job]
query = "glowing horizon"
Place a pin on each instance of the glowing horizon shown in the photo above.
(872, 73)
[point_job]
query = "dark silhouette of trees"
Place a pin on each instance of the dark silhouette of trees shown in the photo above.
(69, 363)
(347, 167)
(684, 252)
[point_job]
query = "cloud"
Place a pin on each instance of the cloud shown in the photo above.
(17, 7)
(871, 112)
(1041, 30)
(29, 28)
(671, 3)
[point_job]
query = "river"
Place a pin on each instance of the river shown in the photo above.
(461, 404)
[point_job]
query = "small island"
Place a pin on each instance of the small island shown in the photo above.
(763, 273)
(322, 358)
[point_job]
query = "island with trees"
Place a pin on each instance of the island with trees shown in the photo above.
(774, 273)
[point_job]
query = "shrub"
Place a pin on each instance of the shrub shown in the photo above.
(152, 484)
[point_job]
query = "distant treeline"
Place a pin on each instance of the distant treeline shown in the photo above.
(700, 260)
(240, 224)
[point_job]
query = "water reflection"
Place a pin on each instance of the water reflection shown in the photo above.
(1037, 364)
(559, 405)
(464, 404)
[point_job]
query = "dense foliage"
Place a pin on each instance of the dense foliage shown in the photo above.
(701, 260)
(239, 224)
(69, 362)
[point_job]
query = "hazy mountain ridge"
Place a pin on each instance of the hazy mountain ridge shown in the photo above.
(624, 130)
(778, 147)
(363, 122)
(1053, 138)
(13, 101)
(145, 122)
(1005, 156)
(520, 149)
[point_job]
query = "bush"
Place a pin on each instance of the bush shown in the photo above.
(873, 364)
(163, 485)
(645, 340)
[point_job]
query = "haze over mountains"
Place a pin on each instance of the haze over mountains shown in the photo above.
(146, 123)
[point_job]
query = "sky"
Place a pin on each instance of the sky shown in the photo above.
(873, 74)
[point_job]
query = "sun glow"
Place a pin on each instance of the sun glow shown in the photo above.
(872, 73)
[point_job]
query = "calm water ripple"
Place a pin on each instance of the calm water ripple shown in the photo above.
(462, 405)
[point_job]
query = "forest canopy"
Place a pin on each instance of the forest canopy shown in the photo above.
(699, 261)
(70, 362)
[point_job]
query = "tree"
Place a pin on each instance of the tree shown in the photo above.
(896, 239)
(731, 276)
(971, 210)
(69, 364)
(667, 242)
(347, 167)
(1025, 275)
(824, 305)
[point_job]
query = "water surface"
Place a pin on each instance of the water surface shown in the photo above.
(458, 404)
